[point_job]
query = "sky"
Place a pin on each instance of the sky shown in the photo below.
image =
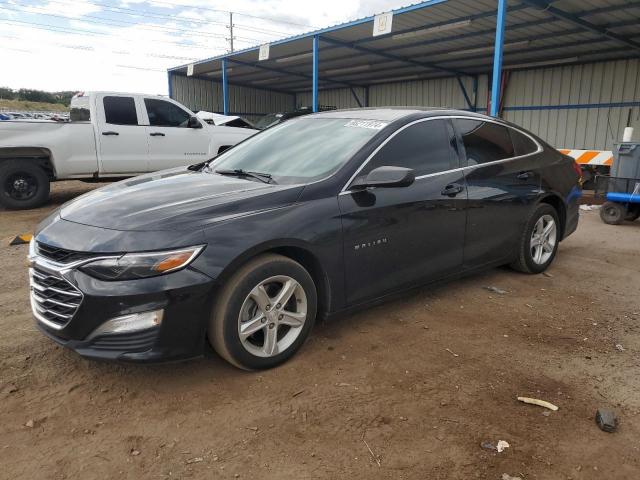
(127, 45)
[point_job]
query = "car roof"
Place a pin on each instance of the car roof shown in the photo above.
(389, 114)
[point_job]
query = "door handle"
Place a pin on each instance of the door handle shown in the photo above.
(157, 134)
(452, 190)
(110, 133)
(524, 175)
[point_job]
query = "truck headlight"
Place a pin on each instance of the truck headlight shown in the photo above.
(141, 265)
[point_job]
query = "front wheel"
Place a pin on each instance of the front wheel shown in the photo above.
(264, 313)
(23, 184)
(539, 242)
(612, 213)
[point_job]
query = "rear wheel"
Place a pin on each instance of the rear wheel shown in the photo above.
(539, 241)
(613, 213)
(264, 313)
(23, 184)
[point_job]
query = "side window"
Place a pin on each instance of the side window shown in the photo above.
(426, 147)
(522, 144)
(485, 141)
(165, 114)
(120, 110)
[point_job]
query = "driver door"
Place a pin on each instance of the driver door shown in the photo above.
(394, 237)
(171, 142)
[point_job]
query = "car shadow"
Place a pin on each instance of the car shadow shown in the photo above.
(211, 366)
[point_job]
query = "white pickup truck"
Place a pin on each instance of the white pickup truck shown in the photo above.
(108, 136)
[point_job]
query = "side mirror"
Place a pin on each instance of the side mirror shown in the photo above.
(194, 122)
(386, 177)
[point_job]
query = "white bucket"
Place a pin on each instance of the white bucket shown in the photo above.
(628, 133)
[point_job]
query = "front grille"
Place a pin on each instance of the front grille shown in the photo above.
(61, 255)
(53, 299)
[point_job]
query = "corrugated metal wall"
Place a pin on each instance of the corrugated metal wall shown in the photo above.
(338, 97)
(577, 106)
(444, 92)
(198, 94)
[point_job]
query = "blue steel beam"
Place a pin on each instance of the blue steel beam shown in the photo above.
(430, 66)
(532, 49)
(497, 58)
(540, 60)
(225, 88)
(576, 20)
(314, 81)
(286, 72)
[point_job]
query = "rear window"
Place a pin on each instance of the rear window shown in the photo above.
(120, 111)
(485, 141)
(79, 110)
(522, 144)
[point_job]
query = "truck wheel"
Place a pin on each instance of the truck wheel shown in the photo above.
(264, 313)
(612, 213)
(23, 184)
(539, 241)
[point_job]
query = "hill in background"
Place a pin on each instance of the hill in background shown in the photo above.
(25, 99)
(27, 106)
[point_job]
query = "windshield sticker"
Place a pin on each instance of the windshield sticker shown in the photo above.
(373, 124)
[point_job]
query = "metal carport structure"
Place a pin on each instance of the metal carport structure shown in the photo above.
(465, 41)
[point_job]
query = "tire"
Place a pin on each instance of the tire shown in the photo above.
(242, 303)
(23, 184)
(612, 213)
(529, 260)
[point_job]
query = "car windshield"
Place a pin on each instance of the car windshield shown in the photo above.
(301, 150)
(267, 120)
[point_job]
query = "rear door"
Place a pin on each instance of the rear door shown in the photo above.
(122, 138)
(394, 237)
(502, 184)
(171, 142)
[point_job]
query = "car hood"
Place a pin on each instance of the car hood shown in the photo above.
(176, 199)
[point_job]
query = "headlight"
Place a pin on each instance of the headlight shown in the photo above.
(141, 265)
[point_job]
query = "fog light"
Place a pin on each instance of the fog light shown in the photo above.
(129, 323)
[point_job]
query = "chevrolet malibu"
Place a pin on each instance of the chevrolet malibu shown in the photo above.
(321, 214)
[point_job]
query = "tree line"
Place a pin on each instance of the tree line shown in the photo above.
(30, 95)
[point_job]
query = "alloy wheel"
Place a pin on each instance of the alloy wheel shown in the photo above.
(272, 316)
(543, 239)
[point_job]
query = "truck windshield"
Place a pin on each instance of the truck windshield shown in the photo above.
(79, 110)
(300, 150)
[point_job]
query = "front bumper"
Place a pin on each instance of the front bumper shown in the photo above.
(185, 297)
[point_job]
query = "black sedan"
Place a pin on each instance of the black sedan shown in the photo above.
(321, 214)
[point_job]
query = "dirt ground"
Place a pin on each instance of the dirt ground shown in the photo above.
(420, 381)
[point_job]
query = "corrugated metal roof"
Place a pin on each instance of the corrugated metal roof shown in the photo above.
(439, 38)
